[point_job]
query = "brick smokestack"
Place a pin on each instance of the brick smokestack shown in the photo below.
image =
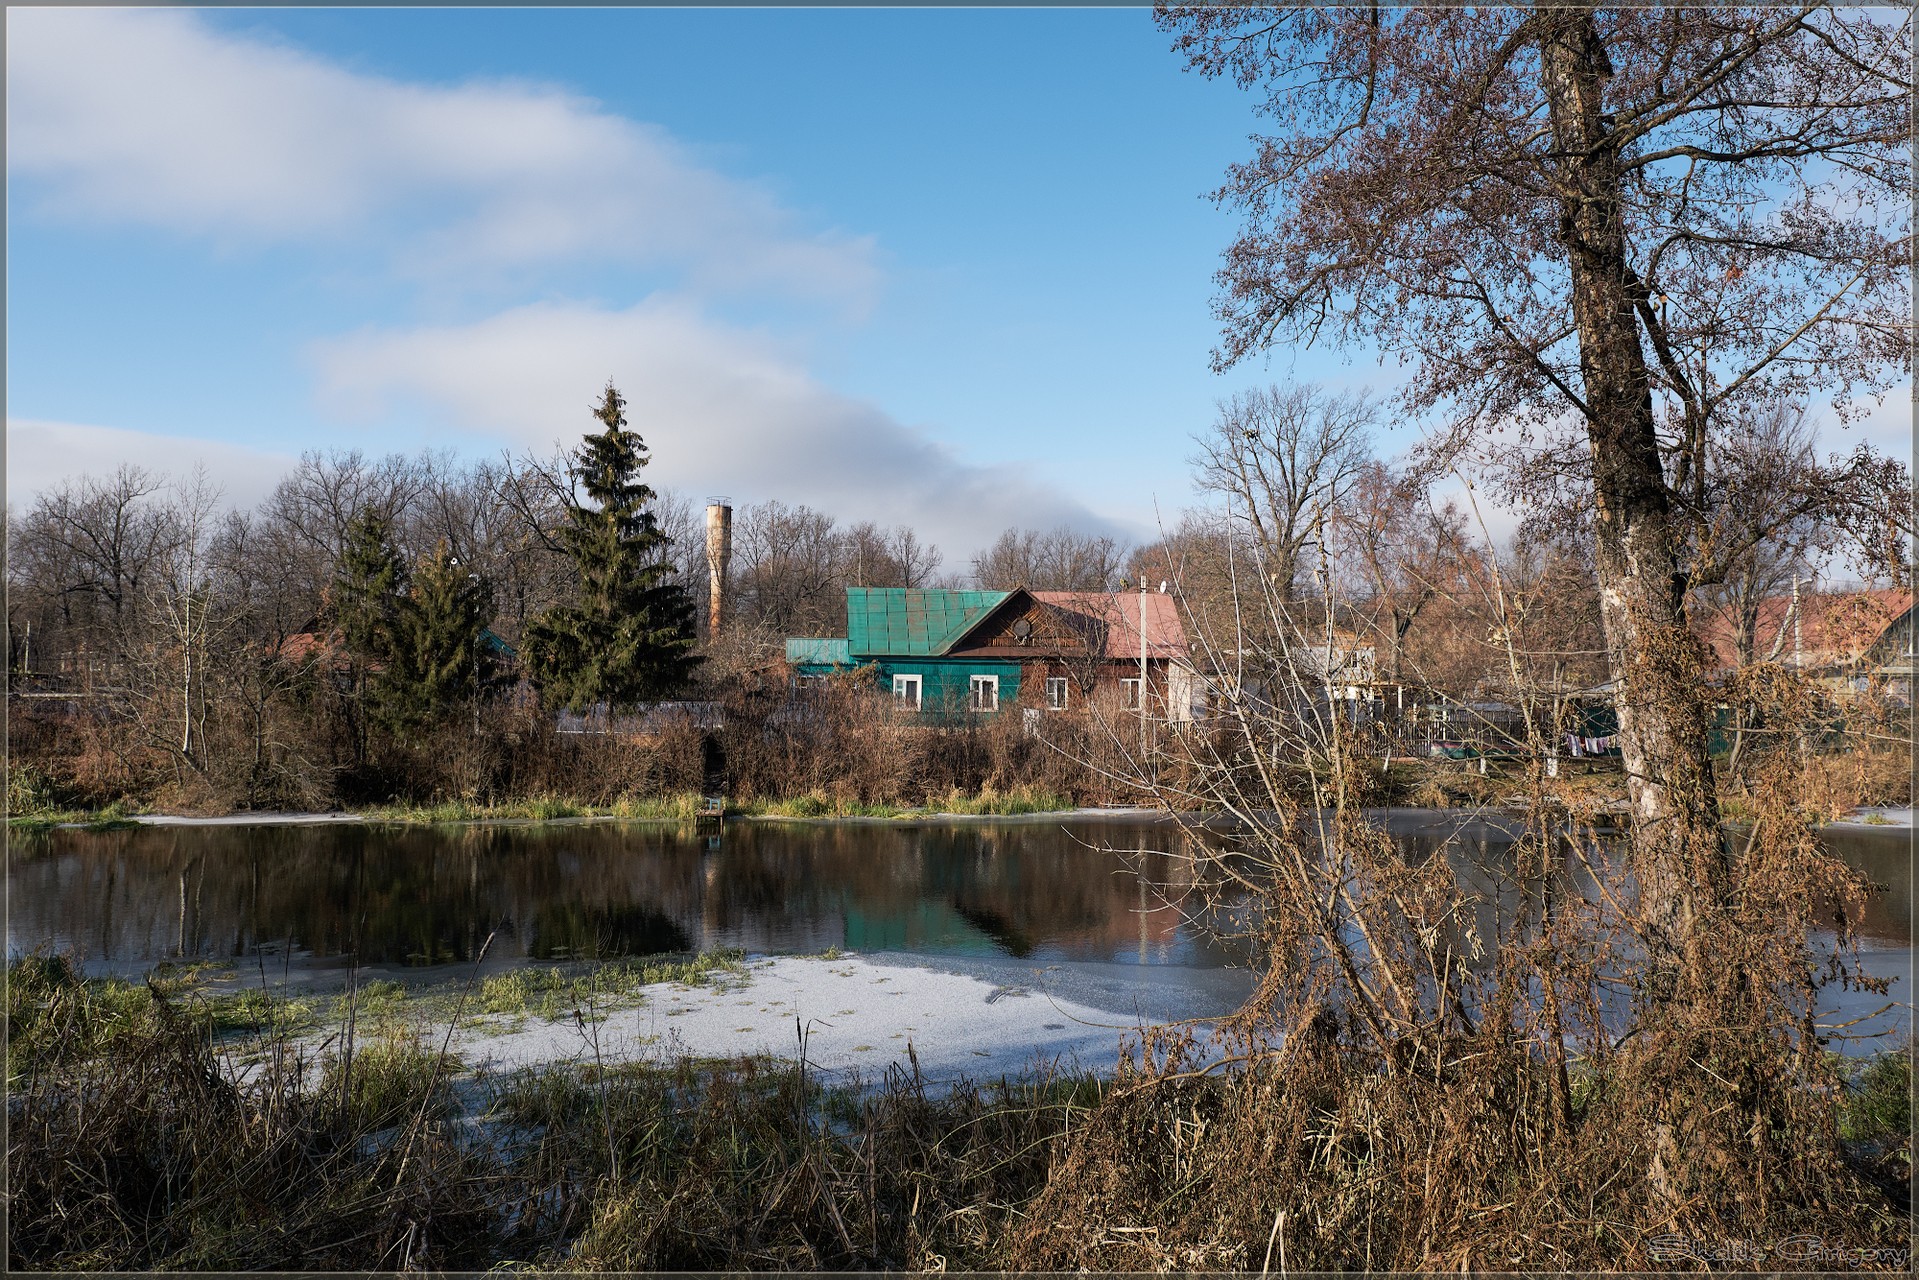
(719, 555)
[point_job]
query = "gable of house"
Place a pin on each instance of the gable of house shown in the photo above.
(1023, 627)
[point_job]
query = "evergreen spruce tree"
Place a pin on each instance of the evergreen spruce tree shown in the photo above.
(441, 663)
(629, 637)
(369, 590)
(368, 584)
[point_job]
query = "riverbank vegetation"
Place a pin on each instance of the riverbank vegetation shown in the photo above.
(155, 1130)
(355, 643)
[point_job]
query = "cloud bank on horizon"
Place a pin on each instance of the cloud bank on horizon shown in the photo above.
(724, 411)
(235, 144)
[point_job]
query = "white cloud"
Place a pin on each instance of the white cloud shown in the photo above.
(722, 411)
(152, 117)
(42, 454)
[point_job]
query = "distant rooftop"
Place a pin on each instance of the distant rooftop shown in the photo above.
(818, 652)
(1118, 614)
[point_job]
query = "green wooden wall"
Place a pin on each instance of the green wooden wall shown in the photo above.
(947, 680)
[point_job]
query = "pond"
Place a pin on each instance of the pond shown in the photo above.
(1068, 894)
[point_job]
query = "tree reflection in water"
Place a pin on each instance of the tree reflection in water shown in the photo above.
(1050, 890)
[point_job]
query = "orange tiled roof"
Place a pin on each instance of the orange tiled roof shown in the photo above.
(1118, 611)
(1835, 628)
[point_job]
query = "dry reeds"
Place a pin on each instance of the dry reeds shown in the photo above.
(143, 1140)
(1565, 1058)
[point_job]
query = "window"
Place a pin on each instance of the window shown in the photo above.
(907, 689)
(984, 691)
(1131, 689)
(1056, 693)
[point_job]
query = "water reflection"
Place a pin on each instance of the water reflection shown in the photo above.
(1044, 891)
(126, 900)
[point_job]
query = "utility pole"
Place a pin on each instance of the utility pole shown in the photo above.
(1142, 670)
(1798, 651)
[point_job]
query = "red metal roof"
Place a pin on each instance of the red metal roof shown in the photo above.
(1118, 612)
(1835, 629)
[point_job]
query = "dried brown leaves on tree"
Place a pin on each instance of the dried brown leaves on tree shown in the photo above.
(1641, 218)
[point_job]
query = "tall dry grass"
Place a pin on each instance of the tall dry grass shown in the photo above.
(144, 1139)
(1559, 1061)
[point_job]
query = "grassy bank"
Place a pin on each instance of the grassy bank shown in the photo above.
(155, 1130)
(686, 805)
(51, 1011)
(681, 806)
(113, 817)
(986, 803)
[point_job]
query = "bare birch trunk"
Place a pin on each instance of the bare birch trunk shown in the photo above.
(1654, 659)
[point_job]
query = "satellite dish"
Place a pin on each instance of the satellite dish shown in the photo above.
(1023, 630)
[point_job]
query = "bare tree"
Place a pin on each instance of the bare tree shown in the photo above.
(1059, 560)
(876, 557)
(1409, 550)
(306, 518)
(1279, 455)
(787, 570)
(187, 615)
(684, 525)
(1766, 527)
(1544, 210)
(81, 560)
(912, 562)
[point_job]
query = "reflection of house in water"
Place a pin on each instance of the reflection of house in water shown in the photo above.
(924, 926)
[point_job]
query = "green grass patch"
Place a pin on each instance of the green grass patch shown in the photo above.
(1878, 1103)
(677, 807)
(681, 806)
(1020, 800)
(816, 804)
(56, 1016)
(553, 991)
(117, 816)
(391, 1079)
(987, 803)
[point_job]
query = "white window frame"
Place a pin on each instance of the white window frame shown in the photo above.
(909, 689)
(1130, 690)
(975, 685)
(1057, 693)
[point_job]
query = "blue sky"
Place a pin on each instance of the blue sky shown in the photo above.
(945, 267)
(950, 268)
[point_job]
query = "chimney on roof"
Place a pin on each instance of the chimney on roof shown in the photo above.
(719, 556)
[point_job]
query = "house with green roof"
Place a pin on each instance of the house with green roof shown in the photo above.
(955, 653)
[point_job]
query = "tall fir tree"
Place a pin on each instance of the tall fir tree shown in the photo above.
(369, 583)
(441, 662)
(629, 637)
(367, 597)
